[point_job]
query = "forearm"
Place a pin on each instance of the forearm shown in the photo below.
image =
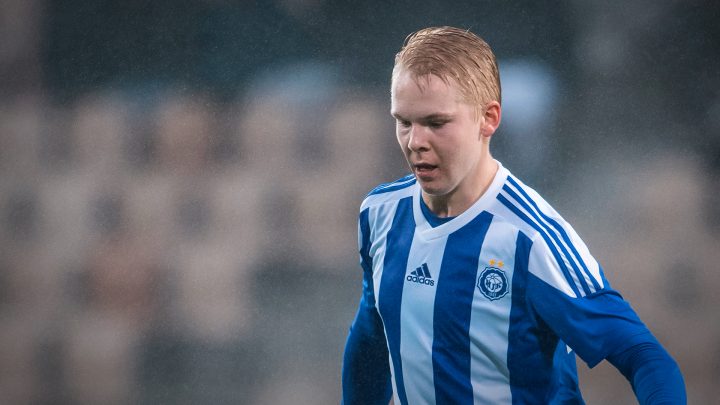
(653, 374)
(366, 372)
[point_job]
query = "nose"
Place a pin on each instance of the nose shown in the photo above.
(417, 139)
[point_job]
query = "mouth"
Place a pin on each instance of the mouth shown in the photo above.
(424, 168)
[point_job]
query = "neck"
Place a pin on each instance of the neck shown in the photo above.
(466, 193)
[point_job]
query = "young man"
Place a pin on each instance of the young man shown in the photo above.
(475, 289)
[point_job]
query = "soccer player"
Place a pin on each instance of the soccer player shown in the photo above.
(475, 290)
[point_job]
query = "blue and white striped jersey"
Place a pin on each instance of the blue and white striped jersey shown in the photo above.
(487, 308)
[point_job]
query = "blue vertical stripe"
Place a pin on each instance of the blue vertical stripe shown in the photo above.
(453, 308)
(560, 230)
(365, 259)
(528, 384)
(551, 246)
(399, 240)
(539, 365)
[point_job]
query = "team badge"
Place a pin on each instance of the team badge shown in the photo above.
(493, 283)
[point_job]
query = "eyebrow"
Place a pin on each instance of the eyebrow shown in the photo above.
(430, 117)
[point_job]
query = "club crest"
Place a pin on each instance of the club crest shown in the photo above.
(493, 283)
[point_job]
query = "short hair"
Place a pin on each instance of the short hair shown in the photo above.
(452, 54)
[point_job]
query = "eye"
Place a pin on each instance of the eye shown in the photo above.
(436, 124)
(403, 123)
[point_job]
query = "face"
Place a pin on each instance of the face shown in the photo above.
(438, 132)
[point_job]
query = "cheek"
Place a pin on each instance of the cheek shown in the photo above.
(402, 141)
(456, 155)
(448, 147)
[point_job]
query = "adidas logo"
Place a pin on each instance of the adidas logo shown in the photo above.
(421, 275)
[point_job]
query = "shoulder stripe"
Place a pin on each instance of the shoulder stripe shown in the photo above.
(555, 240)
(572, 281)
(559, 228)
(401, 183)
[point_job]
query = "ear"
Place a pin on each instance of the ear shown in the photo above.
(491, 119)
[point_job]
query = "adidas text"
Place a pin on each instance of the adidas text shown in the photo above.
(421, 280)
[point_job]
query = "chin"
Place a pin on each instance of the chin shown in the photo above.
(433, 189)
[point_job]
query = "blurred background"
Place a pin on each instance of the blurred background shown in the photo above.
(180, 182)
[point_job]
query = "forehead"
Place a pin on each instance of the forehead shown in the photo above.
(427, 94)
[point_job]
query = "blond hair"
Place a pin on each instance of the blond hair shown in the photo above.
(452, 54)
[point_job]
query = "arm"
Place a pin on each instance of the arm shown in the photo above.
(366, 372)
(366, 368)
(653, 374)
(604, 326)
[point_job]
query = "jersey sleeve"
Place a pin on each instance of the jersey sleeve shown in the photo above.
(653, 374)
(595, 322)
(366, 368)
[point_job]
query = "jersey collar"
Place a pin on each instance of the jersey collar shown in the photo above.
(426, 231)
